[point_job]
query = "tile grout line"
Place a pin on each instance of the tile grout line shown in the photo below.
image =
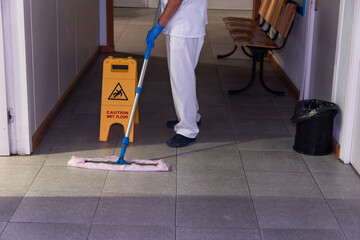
(176, 192)
(326, 200)
(282, 118)
(251, 197)
(27, 190)
(97, 205)
(7, 223)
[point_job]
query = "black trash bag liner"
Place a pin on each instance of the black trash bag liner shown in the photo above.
(308, 109)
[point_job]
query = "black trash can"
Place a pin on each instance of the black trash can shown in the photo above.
(314, 126)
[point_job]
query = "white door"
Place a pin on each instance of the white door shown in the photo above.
(4, 128)
(355, 143)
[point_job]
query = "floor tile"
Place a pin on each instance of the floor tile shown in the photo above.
(250, 111)
(294, 213)
(289, 100)
(115, 232)
(327, 164)
(89, 107)
(336, 186)
(62, 119)
(126, 209)
(61, 154)
(45, 231)
(211, 183)
(149, 136)
(84, 120)
(214, 137)
(286, 112)
(66, 179)
(260, 127)
(274, 184)
(9, 202)
(152, 183)
(236, 102)
(221, 158)
(56, 207)
(17, 177)
(302, 234)
(88, 137)
(266, 143)
(348, 214)
(209, 211)
(187, 233)
(273, 161)
(52, 136)
(2, 226)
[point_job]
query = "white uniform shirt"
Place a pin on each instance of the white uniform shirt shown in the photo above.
(189, 21)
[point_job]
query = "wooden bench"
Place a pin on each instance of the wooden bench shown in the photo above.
(246, 24)
(258, 41)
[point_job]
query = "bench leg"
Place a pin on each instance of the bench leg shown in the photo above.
(278, 93)
(228, 54)
(258, 56)
(246, 53)
(249, 85)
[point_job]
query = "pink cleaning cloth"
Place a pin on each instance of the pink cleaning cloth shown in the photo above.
(135, 165)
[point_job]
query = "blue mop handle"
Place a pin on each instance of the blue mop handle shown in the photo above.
(124, 145)
(148, 51)
(125, 141)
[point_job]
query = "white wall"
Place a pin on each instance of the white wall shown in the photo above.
(61, 36)
(212, 4)
(292, 57)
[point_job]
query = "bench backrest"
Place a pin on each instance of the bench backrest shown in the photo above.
(263, 7)
(276, 12)
(269, 11)
(286, 19)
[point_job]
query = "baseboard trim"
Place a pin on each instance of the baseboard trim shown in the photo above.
(284, 76)
(336, 148)
(45, 125)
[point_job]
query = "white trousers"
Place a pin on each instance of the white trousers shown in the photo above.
(183, 55)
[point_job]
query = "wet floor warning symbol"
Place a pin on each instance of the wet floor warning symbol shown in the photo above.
(118, 93)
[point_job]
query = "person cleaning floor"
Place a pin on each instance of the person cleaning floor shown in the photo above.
(183, 22)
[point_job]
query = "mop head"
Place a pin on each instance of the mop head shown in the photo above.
(107, 163)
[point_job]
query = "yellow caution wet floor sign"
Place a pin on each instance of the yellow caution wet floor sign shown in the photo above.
(118, 94)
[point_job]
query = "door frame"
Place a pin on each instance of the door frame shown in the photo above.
(16, 75)
(110, 46)
(4, 127)
(351, 91)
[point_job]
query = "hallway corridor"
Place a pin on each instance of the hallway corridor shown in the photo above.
(241, 180)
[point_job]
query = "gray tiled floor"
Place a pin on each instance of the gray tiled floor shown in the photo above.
(241, 180)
